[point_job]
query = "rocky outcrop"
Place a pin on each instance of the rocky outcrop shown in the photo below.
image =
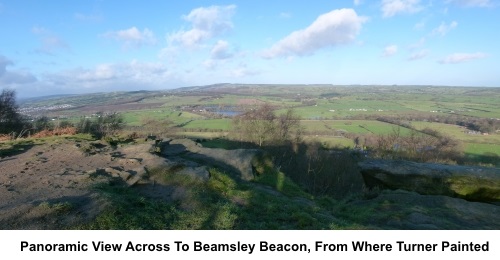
(399, 209)
(470, 183)
(238, 161)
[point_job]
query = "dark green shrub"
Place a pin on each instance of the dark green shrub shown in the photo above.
(102, 125)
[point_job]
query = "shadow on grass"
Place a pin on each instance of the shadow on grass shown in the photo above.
(180, 202)
(487, 158)
(318, 171)
(13, 149)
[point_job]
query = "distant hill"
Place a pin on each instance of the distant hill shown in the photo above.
(43, 98)
(277, 90)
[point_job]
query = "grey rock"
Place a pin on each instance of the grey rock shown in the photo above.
(237, 161)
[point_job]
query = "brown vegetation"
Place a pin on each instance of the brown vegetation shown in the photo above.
(417, 146)
(261, 126)
(56, 132)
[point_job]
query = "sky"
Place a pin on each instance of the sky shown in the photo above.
(87, 46)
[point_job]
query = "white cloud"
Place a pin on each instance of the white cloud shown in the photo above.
(9, 78)
(418, 55)
(393, 7)
(207, 22)
(221, 51)
(330, 29)
(471, 3)
(50, 43)
(390, 50)
(444, 28)
(133, 37)
(462, 57)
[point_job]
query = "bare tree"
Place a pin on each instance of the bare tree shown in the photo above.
(256, 125)
(288, 127)
(262, 126)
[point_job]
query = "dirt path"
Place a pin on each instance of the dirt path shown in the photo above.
(50, 185)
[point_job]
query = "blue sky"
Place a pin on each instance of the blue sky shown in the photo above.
(82, 46)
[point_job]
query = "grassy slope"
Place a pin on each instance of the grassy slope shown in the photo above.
(272, 202)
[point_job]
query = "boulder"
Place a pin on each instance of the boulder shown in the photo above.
(467, 182)
(237, 161)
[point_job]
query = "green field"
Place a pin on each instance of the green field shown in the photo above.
(137, 117)
(352, 126)
(327, 112)
(474, 143)
(209, 124)
(482, 149)
(460, 133)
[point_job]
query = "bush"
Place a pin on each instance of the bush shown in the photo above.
(10, 119)
(103, 125)
(42, 124)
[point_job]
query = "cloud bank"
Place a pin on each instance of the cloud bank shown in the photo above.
(111, 76)
(9, 78)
